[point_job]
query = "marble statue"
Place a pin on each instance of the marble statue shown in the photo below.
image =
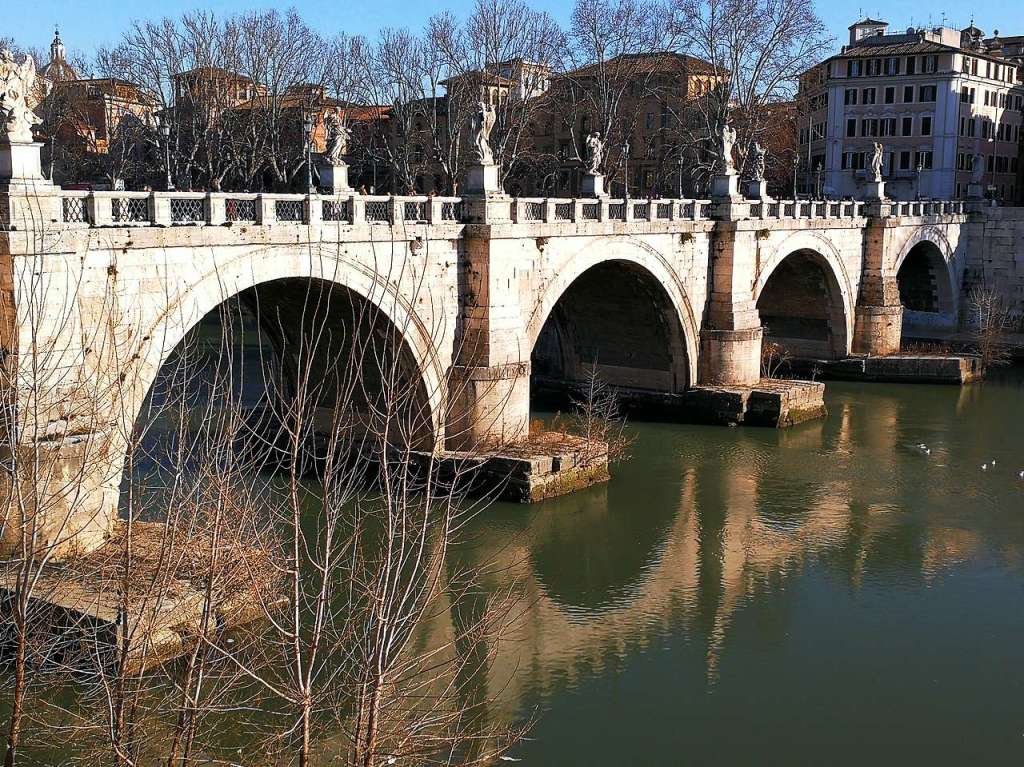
(595, 153)
(759, 158)
(727, 139)
(16, 82)
(337, 139)
(876, 163)
(977, 169)
(483, 124)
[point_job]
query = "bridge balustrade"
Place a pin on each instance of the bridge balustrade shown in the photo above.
(84, 209)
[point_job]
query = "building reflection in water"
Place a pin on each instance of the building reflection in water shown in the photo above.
(704, 521)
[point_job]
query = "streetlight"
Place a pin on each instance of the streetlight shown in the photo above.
(165, 134)
(796, 167)
(307, 129)
(625, 166)
(819, 186)
(920, 168)
(681, 161)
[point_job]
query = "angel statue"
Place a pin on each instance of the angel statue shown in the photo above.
(337, 139)
(759, 157)
(595, 153)
(876, 163)
(977, 169)
(16, 81)
(727, 139)
(483, 124)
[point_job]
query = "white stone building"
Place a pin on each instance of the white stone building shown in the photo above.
(936, 99)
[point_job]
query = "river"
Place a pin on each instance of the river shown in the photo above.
(828, 594)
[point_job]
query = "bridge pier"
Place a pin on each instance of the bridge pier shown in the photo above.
(878, 317)
(730, 342)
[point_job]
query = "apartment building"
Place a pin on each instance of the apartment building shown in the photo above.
(945, 104)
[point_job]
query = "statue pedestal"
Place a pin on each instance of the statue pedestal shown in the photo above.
(483, 179)
(874, 190)
(975, 191)
(19, 161)
(725, 186)
(334, 178)
(757, 190)
(593, 185)
(26, 198)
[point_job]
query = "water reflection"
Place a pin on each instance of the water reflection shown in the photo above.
(724, 541)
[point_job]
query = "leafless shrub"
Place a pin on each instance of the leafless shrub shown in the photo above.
(774, 358)
(989, 320)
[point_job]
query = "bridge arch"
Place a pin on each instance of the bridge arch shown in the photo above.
(619, 304)
(926, 279)
(805, 298)
(254, 273)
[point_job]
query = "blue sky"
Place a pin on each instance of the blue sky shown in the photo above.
(87, 23)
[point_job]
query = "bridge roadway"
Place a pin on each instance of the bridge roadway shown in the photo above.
(660, 295)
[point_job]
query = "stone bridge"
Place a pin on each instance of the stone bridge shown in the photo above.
(487, 293)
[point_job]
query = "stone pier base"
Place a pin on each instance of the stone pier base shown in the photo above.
(730, 357)
(877, 330)
(544, 466)
(774, 403)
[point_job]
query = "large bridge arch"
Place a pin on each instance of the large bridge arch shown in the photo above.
(925, 271)
(618, 287)
(253, 269)
(805, 297)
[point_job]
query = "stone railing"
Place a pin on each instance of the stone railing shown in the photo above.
(213, 209)
(929, 208)
(782, 209)
(553, 210)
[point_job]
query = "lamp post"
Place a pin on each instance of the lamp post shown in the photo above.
(307, 132)
(819, 187)
(625, 171)
(920, 169)
(165, 135)
(796, 167)
(681, 161)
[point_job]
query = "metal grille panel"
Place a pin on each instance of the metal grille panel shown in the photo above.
(415, 212)
(240, 210)
(187, 211)
(75, 211)
(451, 211)
(336, 210)
(126, 210)
(377, 210)
(288, 210)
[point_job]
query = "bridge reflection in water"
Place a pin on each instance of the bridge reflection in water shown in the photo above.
(810, 584)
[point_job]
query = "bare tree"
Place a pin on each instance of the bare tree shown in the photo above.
(989, 320)
(758, 51)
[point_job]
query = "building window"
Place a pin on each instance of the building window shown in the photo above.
(869, 96)
(930, 64)
(908, 94)
(927, 93)
(890, 95)
(926, 125)
(908, 126)
(912, 65)
(905, 160)
(923, 159)
(892, 66)
(851, 128)
(850, 97)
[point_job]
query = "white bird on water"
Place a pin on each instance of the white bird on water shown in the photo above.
(984, 467)
(1021, 475)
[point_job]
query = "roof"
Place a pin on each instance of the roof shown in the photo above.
(481, 76)
(649, 63)
(868, 22)
(213, 71)
(902, 48)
